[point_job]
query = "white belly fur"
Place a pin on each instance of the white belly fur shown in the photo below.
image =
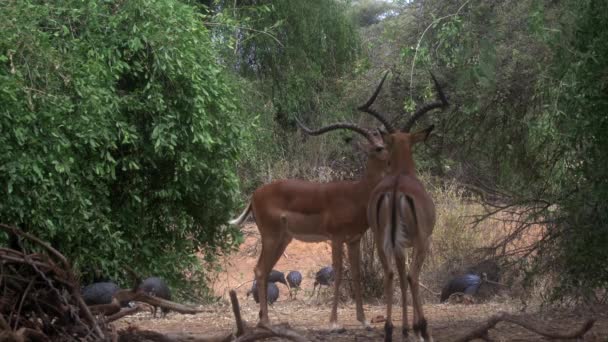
(310, 237)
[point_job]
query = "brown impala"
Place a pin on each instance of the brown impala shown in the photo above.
(313, 212)
(402, 214)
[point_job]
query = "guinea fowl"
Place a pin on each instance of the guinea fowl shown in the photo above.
(272, 293)
(99, 293)
(294, 279)
(467, 284)
(324, 276)
(155, 286)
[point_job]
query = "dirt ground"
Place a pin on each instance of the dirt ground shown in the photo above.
(310, 316)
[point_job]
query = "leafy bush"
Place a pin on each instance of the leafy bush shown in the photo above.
(291, 55)
(118, 134)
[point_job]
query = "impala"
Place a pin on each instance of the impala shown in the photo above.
(312, 212)
(402, 214)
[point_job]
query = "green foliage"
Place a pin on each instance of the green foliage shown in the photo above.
(573, 130)
(290, 56)
(118, 135)
(527, 125)
(370, 12)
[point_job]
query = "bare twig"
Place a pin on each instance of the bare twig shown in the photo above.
(240, 327)
(422, 36)
(247, 282)
(429, 290)
(125, 312)
(244, 334)
(48, 247)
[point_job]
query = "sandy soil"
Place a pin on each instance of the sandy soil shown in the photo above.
(310, 316)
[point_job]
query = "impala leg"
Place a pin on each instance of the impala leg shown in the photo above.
(354, 259)
(388, 291)
(261, 277)
(337, 248)
(400, 261)
(272, 249)
(420, 323)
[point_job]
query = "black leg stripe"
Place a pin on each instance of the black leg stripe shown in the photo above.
(388, 331)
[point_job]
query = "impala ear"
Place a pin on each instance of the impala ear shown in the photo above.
(422, 135)
(386, 136)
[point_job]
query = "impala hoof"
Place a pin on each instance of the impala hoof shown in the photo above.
(367, 326)
(264, 325)
(417, 338)
(336, 328)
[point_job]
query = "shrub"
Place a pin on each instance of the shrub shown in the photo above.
(117, 134)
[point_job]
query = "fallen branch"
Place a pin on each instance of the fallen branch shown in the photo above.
(240, 326)
(125, 312)
(245, 334)
(429, 290)
(482, 331)
(125, 295)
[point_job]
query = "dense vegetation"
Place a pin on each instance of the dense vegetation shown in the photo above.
(118, 135)
(132, 130)
(526, 131)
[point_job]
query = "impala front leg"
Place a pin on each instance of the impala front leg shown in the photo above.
(336, 256)
(354, 259)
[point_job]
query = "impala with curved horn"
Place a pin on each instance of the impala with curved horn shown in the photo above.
(296, 209)
(402, 214)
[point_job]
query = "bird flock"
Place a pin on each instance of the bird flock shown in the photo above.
(101, 292)
(293, 282)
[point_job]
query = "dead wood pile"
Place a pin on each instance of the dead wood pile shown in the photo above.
(41, 301)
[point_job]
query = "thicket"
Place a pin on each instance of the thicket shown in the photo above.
(525, 129)
(118, 139)
(292, 59)
(127, 126)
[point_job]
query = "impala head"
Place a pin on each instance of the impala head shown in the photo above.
(374, 145)
(399, 142)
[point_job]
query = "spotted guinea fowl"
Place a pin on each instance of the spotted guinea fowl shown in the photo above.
(294, 280)
(324, 276)
(155, 286)
(467, 284)
(99, 293)
(277, 277)
(272, 292)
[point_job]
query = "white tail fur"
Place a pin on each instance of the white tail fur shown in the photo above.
(385, 208)
(398, 242)
(239, 220)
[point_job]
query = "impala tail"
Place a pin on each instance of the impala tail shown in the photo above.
(239, 220)
(399, 215)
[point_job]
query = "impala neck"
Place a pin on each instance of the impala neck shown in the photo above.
(374, 173)
(401, 160)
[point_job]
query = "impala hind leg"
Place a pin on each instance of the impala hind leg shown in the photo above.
(272, 249)
(336, 257)
(388, 291)
(354, 260)
(420, 323)
(401, 263)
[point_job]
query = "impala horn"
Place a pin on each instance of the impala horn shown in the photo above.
(366, 107)
(442, 102)
(336, 126)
